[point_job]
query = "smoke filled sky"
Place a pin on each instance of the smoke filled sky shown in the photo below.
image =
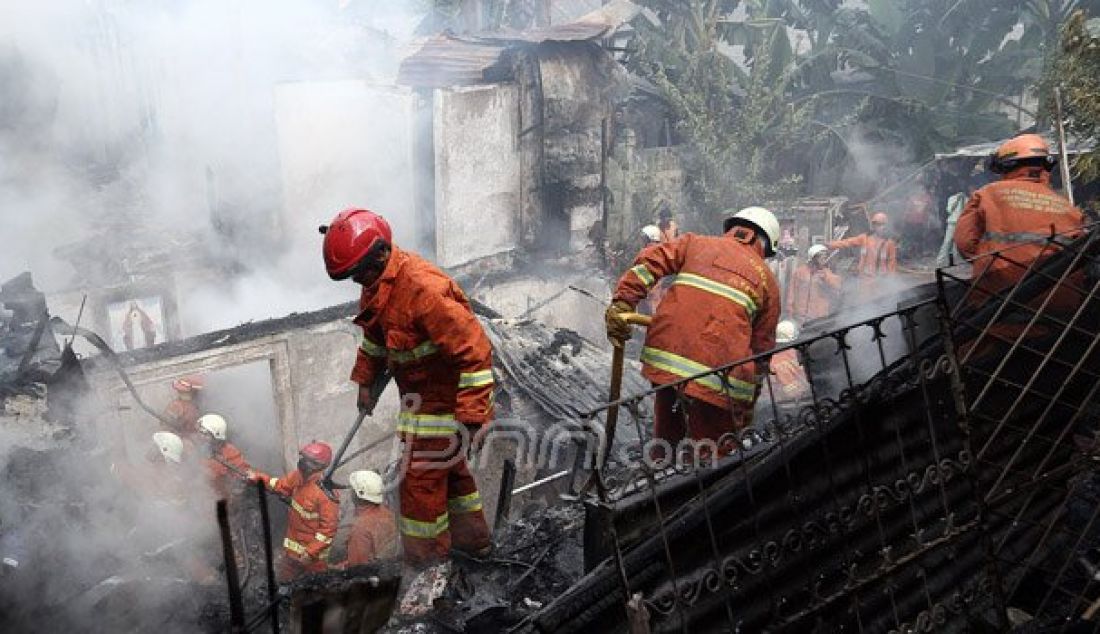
(118, 115)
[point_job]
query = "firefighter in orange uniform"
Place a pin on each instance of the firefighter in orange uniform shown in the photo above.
(314, 513)
(225, 463)
(184, 411)
(722, 306)
(669, 231)
(790, 377)
(1014, 216)
(373, 533)
(417, 322)
(812, 288)
(878, 254)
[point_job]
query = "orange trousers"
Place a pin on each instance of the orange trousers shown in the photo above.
(675, 419)
(290, 568)
(440, 502)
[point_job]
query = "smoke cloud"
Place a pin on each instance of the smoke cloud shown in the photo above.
(145, 123)
(141, 127)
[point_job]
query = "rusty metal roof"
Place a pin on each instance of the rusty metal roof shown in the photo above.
(590, 26)
(453, 60)
(445, 60)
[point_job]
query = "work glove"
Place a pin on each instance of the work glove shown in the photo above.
(618, 331)
(314, 550)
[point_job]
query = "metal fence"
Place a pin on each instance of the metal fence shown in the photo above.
(933, 473)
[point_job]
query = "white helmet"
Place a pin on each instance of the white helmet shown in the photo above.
(815, 251)
(367, 485)
(214, 425)
(758, 218)
(652, 233)
(170, 446)
(786, 331)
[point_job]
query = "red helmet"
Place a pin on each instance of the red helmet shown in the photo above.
(318, 452)
(351, 236)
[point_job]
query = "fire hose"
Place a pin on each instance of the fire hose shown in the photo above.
(111, 356)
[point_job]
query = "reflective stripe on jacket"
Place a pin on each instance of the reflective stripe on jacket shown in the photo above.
(1015, 215)
(722, 305)
(418, 322)
(313, 517)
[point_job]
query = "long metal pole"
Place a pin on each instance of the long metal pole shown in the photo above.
(269, 558)
(236, 605)
(504, 498)
(1067, 182)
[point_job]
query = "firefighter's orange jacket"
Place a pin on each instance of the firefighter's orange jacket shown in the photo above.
(722, 305)
(418, 321)
(313, 518)
(790, 376)
(810, 293)
(876, 255)
(220, 475)
(185, 414)
(373, 535)
(1015, 215)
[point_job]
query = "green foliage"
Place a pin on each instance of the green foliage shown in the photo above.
(769, 100)
(1077, 70)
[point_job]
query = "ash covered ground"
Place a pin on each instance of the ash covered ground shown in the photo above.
(535, 559)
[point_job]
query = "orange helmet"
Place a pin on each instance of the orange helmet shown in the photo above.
(1021, 150)
(879, 218)
(192, 383)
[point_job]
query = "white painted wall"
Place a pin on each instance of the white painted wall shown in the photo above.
(477, 172)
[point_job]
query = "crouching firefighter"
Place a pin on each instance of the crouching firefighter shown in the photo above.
(314, 513)
(417, 322)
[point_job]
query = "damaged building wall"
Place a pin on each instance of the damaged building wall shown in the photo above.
(579, 81)
(476, 133)
(309, 358)
(638, 179)
(517, 133)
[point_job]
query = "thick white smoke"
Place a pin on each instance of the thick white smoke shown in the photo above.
(165, 119)
(172, 116)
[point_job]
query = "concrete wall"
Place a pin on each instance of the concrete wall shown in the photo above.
(309, 370)
(477, 167)
(638, 179)
(579, 81)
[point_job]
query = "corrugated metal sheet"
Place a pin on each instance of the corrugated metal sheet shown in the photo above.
(445, 60)
(590, 26)
(450, 60)
(985, 149)
(563, 11)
